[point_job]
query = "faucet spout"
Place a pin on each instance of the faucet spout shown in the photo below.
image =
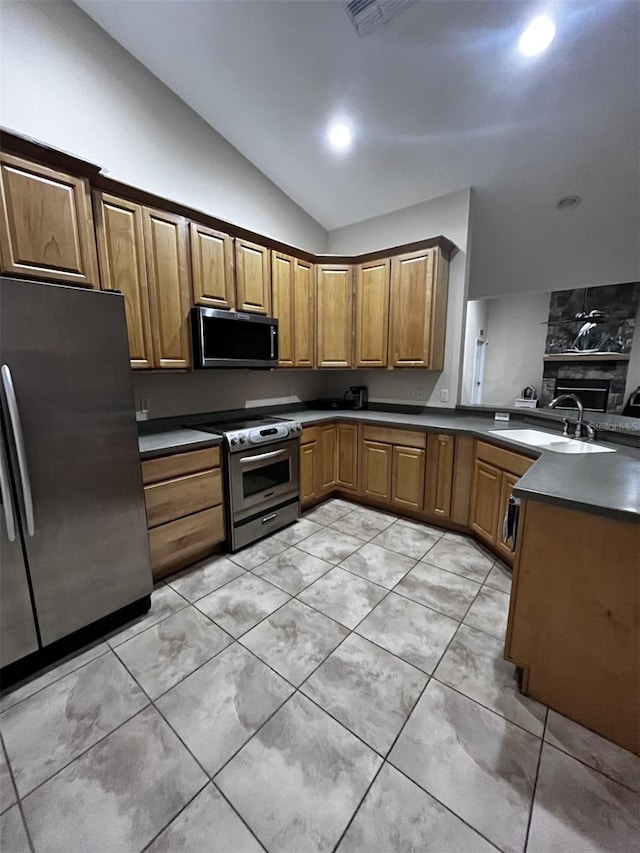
(559, 399)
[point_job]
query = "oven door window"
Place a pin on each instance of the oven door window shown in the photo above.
(266, 477)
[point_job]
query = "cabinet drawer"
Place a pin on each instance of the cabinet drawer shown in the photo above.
(179, 464)
(179, 543)
(390, 435)
(310, 434)
(505, 459)
(173, 499)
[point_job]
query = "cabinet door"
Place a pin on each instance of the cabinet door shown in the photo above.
(407, 481)
(47, 225)
(122, 267)
(376, 470)
(507, 483)
(211, 267)
(253, 282)
(334, 315)
(282, 292)
(347, 468)
(372, 314)
(485, 500)
(303, 309)
(439, 474)
(326, 458)
(411, 302)
(165, 238)
(308, 471)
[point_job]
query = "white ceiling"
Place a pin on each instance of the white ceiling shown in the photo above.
(440, 99)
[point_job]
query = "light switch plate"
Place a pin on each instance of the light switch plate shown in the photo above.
(502, 416)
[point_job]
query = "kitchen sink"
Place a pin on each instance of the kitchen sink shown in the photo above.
(547, 441)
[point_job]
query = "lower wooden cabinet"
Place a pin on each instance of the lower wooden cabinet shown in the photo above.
(377, 461)
(485, 500)
(495, 473)
(407, 478)
(327, 458)
(308, 471)
(439, 474)
(183, 497)
(347, 456)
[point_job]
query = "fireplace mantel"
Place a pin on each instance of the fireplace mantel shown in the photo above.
(590, 356)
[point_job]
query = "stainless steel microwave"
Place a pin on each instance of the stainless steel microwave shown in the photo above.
(233, 339)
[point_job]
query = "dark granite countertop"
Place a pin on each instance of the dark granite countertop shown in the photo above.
(600, 483)
(174, 441)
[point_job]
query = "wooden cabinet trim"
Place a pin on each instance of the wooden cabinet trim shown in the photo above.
(440, 474)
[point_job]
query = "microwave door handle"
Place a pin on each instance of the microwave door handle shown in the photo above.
(7, 501)
(273, 342)
(18, 439)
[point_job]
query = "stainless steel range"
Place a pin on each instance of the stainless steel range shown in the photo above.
(262, 476)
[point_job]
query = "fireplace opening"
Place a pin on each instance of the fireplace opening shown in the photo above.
(592, 393)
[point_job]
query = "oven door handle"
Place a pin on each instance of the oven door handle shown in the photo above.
(261, 457)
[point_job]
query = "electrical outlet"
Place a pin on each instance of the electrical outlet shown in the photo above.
(420, 394)
(444, 395)
(412, 393)
(144, 406)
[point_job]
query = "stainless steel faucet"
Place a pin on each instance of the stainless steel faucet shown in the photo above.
(580, 423)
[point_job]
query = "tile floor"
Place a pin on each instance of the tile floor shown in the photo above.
(339, 686)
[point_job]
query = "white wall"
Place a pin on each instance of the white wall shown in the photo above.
(516, 343)
(173, 394)
(449, 216)
(66, 83)
(475, 327)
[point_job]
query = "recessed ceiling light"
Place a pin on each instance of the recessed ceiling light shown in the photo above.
(568, 202)
(339, 136)
(538, 36)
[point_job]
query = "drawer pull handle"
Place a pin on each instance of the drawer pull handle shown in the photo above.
(269, 518)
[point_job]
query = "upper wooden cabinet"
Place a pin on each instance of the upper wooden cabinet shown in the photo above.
(418, 303)
(166, 251)
(253, 280)
(212, 267)
(122, 267)
(282, 292)
(372, 313)
(292, 306)
(143, 253)
(47, 225)
(303, 313)
(334, 315)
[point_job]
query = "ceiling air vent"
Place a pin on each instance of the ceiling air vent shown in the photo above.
(369, 15)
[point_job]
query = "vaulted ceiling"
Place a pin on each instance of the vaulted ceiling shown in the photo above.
(439, 99)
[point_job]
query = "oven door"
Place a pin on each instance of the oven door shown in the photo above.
(263, 476)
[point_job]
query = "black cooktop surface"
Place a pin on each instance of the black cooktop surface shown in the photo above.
(232, 426)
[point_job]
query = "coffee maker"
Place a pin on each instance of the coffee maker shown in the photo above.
(357, 397)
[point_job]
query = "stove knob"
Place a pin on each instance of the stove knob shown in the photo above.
(242, 439)
(234, 440)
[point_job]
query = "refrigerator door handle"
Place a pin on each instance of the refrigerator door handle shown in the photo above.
(7, 500)
(16, 428)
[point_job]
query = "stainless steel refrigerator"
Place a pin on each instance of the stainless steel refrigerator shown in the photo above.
(74, 545)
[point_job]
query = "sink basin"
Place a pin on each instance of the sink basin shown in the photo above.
(546, 441)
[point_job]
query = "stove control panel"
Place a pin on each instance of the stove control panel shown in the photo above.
(263, 434)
